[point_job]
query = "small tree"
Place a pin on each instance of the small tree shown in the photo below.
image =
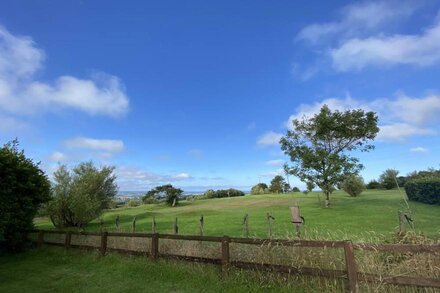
(260, 188)
(388, 179)
(170, 193)
(353, 185)
(373, 184)
(310, 185)
(277, 184)
(295, 189)
(80, 195)
(319, 146)
(23, 188)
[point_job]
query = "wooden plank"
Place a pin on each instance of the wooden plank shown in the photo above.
(216, 261)
(400, 280)
(40, 240)
(192, 237)
(284, 242)
(350, 262)
(68, 240)
(225, 253)
(128, 234)
(154, 246)
(416, 248)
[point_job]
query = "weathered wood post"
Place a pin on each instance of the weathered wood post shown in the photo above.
(68, 239)
(40, 238)
(401, 222)
(297, 220)
(269, 223)
(201, 225)
(246, 225)
(133, 224)
(175, 227)
(103, 248)
(154, 246)
(225, 254)
(101, 224)
(117, 222)
(153, 225)
(350, 263)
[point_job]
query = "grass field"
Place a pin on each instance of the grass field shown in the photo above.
(55, 270)
(370, 217)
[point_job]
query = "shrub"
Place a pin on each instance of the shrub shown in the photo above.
(231, 192)
(80, 195)
(373, 184)
(260, 188)
(133, 203)
(353, 185)
(424, 189)
(23, 188)
(295, 189)
(388, 179)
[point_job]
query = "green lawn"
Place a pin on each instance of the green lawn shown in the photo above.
(54, 270)
(368, 217)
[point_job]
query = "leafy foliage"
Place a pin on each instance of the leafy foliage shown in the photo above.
(424, 187)
(23, 188)
(353, 185)
(373, 184)
(278, 184)
(260, 188)
(168, 192)
(295, 189)
(318, 147)
(388, 179)
(231, 192)
(80, 195)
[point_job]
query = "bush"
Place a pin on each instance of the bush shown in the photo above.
(231, 192)
(133, 203)
(296, 189)
(424, 189)
(80, 195)
(373, 184)
(353, 185)
(388, 179)
(23, 188)
(260, 188)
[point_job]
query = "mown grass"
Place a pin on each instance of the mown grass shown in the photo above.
(372, 216)
(55, 270)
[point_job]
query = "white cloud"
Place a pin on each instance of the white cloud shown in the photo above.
(20, 93)
(358, 18)
(10, 124)
(275, 162)
(269, 138)
(420, 50)
(57, 157)
(106, 145)
(399, 118)
(419, 150)
(181, 176)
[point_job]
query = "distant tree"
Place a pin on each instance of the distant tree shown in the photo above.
(318, 146)
(353, 185)
(80, 195)
(277, 184)
(169, 192)
(310, 185)
(295, 189)
(373, 184)
(388, 179)
(23, 188)
(287, 188)
(260, 188)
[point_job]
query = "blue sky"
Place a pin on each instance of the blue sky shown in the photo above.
(197, 93)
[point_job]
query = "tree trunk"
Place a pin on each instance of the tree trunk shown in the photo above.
(327, 199)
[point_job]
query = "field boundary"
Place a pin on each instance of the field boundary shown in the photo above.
(350, 274)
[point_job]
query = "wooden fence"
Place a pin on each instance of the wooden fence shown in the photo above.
(350, 273)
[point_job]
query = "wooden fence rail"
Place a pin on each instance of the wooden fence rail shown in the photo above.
(350, 273)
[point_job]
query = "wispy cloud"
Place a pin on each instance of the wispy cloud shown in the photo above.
(196, 153)
(107, 145)
(269, 138)
(419, 150)
(272, 173)
(57, 157)
(275, 162)
(22, 94)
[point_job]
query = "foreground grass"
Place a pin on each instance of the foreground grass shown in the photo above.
(55, 270)
(370, 217)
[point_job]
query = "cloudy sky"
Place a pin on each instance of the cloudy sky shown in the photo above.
(198, 93)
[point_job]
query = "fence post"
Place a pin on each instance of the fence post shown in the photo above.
(350, 262)
(68, 239)
(225, 253)
(104, 242)
(155, 246)
(40, 238)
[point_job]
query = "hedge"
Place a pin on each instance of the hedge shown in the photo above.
(426, 190)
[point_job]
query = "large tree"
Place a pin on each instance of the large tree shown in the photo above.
(169, 192)
(277, 184)
(319, 146)
(388, 179)
(80, 195)
(23, 188)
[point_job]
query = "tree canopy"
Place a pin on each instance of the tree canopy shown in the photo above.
(80, 195)
(169, 192)
(319, 146)
(278, 184)
(260, 188)
(23, 188)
